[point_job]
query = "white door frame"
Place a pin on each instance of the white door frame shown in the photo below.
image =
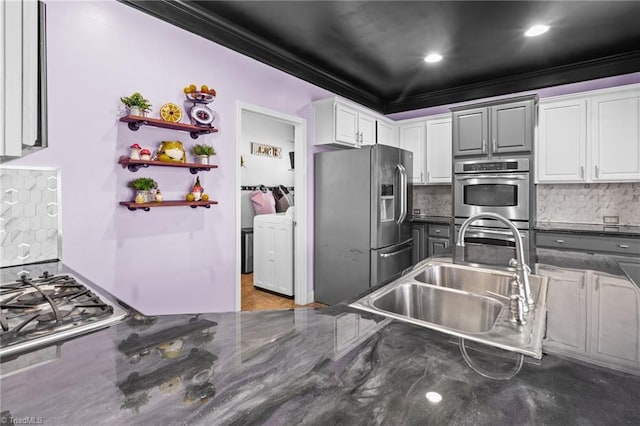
(302, 295)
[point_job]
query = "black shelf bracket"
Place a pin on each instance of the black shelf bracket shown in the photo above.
(135, 125)
(135, 167)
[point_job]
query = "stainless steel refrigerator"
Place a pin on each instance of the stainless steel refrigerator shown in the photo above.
(362, 234)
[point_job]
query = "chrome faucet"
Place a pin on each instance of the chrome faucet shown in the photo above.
(522, 270)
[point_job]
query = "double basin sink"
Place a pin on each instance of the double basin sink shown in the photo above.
(466, 301)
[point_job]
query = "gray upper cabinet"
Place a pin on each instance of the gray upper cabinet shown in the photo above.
(470, 131)
(494, 128)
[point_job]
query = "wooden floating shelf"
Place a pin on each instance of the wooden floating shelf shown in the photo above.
(136, 121)
(171, 203)
(135, 165)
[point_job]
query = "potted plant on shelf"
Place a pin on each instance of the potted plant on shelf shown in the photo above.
(136, 104)
(203, 152)
(143, 187)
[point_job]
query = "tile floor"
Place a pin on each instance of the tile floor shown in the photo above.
(252, 299)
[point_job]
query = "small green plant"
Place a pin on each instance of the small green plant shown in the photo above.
(143, 184)
(136, 100)
(203, 150)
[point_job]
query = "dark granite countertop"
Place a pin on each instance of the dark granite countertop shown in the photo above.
(306, 366)
(588, 228)
(446, 220)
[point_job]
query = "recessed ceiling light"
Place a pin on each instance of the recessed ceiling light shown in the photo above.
(434, 397)
(433, 57)
(536, 30)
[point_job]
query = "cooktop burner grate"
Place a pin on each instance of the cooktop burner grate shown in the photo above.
(36, 311)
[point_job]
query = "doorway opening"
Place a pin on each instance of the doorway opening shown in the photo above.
(264, 139)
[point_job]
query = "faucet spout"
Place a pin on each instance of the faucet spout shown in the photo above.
(519, 263)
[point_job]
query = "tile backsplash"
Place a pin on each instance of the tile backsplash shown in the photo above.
(433, 200)
(30, 215)
(589, 203)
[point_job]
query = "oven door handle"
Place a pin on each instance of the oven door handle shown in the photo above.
(479, 232)
(510, 177)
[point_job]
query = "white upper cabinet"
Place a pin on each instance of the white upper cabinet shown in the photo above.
(438, 161)
(22, 100)
(615, 131)
(339, 123)
(387, 134)
(562, 141)
(412, 139)
(590, 138)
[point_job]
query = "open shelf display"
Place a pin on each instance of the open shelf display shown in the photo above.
(136, 121)
(171, 203)
(135, 165)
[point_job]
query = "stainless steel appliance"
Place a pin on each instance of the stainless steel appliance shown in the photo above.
(500, 187)
(493, 186)
(37, 310)
(362, 231)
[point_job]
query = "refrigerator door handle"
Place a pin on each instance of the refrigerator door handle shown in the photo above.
(403, 193)
(395, 253)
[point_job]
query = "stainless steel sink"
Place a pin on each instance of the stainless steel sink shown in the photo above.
(465, 301)
(472, 279)
(433, 305)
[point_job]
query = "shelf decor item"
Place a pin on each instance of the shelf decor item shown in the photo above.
(196, 191)
(143, 187)
(135, 152)
(145, 154)
(171, 151)
(199, 113)
(136, 104)
(203, 152)
(170, 112)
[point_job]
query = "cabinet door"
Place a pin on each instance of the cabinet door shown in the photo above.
(562, 141)
(412, 139)
(470, 131)
(615, 330)
(438, 164)
(616, 137)
(346, 125)
(437, 246)
(387, 134)
(512, 127)
(367, 129)
(566, 311)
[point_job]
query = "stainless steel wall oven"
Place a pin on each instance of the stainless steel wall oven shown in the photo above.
(501, 186)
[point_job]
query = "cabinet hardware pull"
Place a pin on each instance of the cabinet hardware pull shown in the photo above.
(437, 231)
(625, 246)
(597, 172)
(484, 145)
(560, 241)
(428, 177)
(597, 285)
(581, 172)
(421, 177)
(495, 145)
(582, 284)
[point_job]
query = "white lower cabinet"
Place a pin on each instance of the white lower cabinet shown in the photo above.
(593, 317)
(566, 311)
(615, 334)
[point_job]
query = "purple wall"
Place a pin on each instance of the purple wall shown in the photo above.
(168, 260)
(565, 89)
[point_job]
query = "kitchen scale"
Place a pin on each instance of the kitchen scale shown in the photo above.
(200, 114)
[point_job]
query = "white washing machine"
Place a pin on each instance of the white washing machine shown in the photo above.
(273, 251)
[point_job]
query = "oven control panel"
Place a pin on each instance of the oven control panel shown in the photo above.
(516, 165)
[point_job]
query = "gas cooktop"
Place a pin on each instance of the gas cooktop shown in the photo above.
(40, 310)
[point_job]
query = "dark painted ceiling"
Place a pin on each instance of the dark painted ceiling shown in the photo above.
(372, 51)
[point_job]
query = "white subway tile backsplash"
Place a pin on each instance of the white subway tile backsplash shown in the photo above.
(30, 217)
(589, 203)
